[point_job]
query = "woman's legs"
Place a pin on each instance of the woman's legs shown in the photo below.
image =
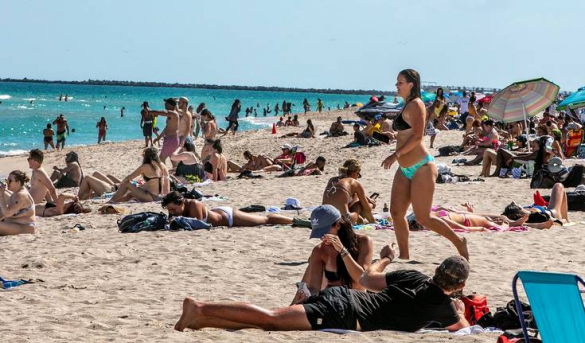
(233, 167)
(198, 315)
(423, 187)
(91, 184)
(127, 191)
(8, 229)
(399, 202)
(489, 157)
(558, 202)
(248, 219)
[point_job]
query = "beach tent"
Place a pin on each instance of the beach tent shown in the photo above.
(573, 101)
(523, 99)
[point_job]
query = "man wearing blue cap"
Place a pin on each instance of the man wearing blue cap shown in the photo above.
(405, 300)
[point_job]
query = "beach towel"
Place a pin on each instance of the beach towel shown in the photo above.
(7, 284)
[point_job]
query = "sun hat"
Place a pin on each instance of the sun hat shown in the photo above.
(286, 146)
(322, 218)
(292, 204)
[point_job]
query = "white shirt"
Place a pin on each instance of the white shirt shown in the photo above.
(463, 102)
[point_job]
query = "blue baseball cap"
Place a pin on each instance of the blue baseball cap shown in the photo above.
(322, 218)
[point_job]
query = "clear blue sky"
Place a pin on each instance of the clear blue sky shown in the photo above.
(299, 43)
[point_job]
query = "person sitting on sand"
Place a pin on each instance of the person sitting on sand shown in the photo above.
(17, 207)
(71, 175)
(504, 158)
(309, 132)
(156, 180)
(337, 129)
(282, 161)
(177, 205)
(280, 123)
(217, 165)
(255, 162)
(342, 256)
(97, 184)
(348, 195)
(490, 139)
(41, 186)
(295, 121)
(313, 168)
(60, 207)
(359, 138)
(402, 300)
(188, 162)
(288, 122)
(542, 217)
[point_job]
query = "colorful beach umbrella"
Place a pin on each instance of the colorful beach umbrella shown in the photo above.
(430, 96)
(575, 100)
(522, 99)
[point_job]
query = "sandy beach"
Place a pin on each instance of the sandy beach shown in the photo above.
(101, 285)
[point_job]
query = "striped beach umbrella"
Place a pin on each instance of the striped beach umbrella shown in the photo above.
(522, 99)
(575, 100)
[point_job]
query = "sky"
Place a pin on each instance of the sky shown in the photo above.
(295, 43)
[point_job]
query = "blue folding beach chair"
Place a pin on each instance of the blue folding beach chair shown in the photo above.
(556, 304)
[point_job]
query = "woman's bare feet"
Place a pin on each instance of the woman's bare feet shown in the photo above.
(462, 248)
(189, 316)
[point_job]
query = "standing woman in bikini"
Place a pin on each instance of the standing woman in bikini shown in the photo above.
(414, 181)
(17, 207)
(209, 133)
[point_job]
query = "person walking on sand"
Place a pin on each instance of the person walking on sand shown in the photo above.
(233, 117)
(146, 124)
(102, 128)
(62, 129)
(171, 130)
(48, 134)
(414, 181)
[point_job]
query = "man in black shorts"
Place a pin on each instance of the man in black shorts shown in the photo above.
(404, 300)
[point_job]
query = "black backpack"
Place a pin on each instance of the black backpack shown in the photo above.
(506, 318)
(144, 221)
(449, 150)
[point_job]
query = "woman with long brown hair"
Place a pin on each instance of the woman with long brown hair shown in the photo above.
(414, 181)
(156, 180)
(342, 256)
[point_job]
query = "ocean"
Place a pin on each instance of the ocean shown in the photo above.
(26, 109)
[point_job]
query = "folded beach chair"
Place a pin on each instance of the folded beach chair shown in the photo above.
(556, 304)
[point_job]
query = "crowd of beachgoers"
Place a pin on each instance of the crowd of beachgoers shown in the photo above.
(344, 285)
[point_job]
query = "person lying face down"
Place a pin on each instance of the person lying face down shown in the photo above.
(177, 205)
(406, 300)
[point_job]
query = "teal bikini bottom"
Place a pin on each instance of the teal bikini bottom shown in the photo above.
(410, 171)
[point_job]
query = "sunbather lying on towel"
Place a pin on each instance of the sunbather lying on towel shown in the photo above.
(404, 300)
(543, 217)
(60, 207)
(177, 205)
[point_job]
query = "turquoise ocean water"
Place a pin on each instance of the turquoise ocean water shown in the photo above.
(22, 122)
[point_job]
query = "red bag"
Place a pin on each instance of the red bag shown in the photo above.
(475, 307)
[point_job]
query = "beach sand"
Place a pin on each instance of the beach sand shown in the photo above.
(101, 285)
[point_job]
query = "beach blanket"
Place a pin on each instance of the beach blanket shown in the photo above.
(204, 183)
(471, 330)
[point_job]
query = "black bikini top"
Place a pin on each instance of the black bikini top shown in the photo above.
(399, 123)
(147, 179)
(331, 276)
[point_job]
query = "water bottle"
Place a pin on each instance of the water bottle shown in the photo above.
(385, 209)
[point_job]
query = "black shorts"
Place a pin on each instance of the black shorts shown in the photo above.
(147, 129)
(332, 308)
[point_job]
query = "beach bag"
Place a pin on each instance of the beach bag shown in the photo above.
(475, 307)
(143, 221)
(506, 318)
(543, 178)
(575, 176)
(193, 194)
(450, 150)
